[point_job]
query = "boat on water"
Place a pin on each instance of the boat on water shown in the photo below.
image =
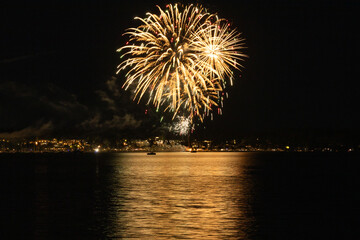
(151, 153)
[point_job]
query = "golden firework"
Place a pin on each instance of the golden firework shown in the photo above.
(181, 58)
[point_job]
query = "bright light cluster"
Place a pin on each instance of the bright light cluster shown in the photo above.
(180, 59)
(182, 126)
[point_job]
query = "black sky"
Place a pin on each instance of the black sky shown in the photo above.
(58, 64)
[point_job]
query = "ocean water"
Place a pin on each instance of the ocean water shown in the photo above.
(176, 195)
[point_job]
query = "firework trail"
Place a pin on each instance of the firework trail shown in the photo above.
(180, 59)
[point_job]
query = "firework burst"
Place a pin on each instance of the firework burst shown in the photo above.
(180, 59)
(182, 126)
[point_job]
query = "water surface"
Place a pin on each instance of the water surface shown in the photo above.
(174, 195)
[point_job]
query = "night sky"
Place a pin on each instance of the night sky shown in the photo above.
(58, 61)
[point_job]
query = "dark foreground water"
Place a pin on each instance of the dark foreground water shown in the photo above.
(177, 196)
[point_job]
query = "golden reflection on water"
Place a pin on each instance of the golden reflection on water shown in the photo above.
(182, 195)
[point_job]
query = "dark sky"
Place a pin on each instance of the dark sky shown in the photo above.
(58, 64)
